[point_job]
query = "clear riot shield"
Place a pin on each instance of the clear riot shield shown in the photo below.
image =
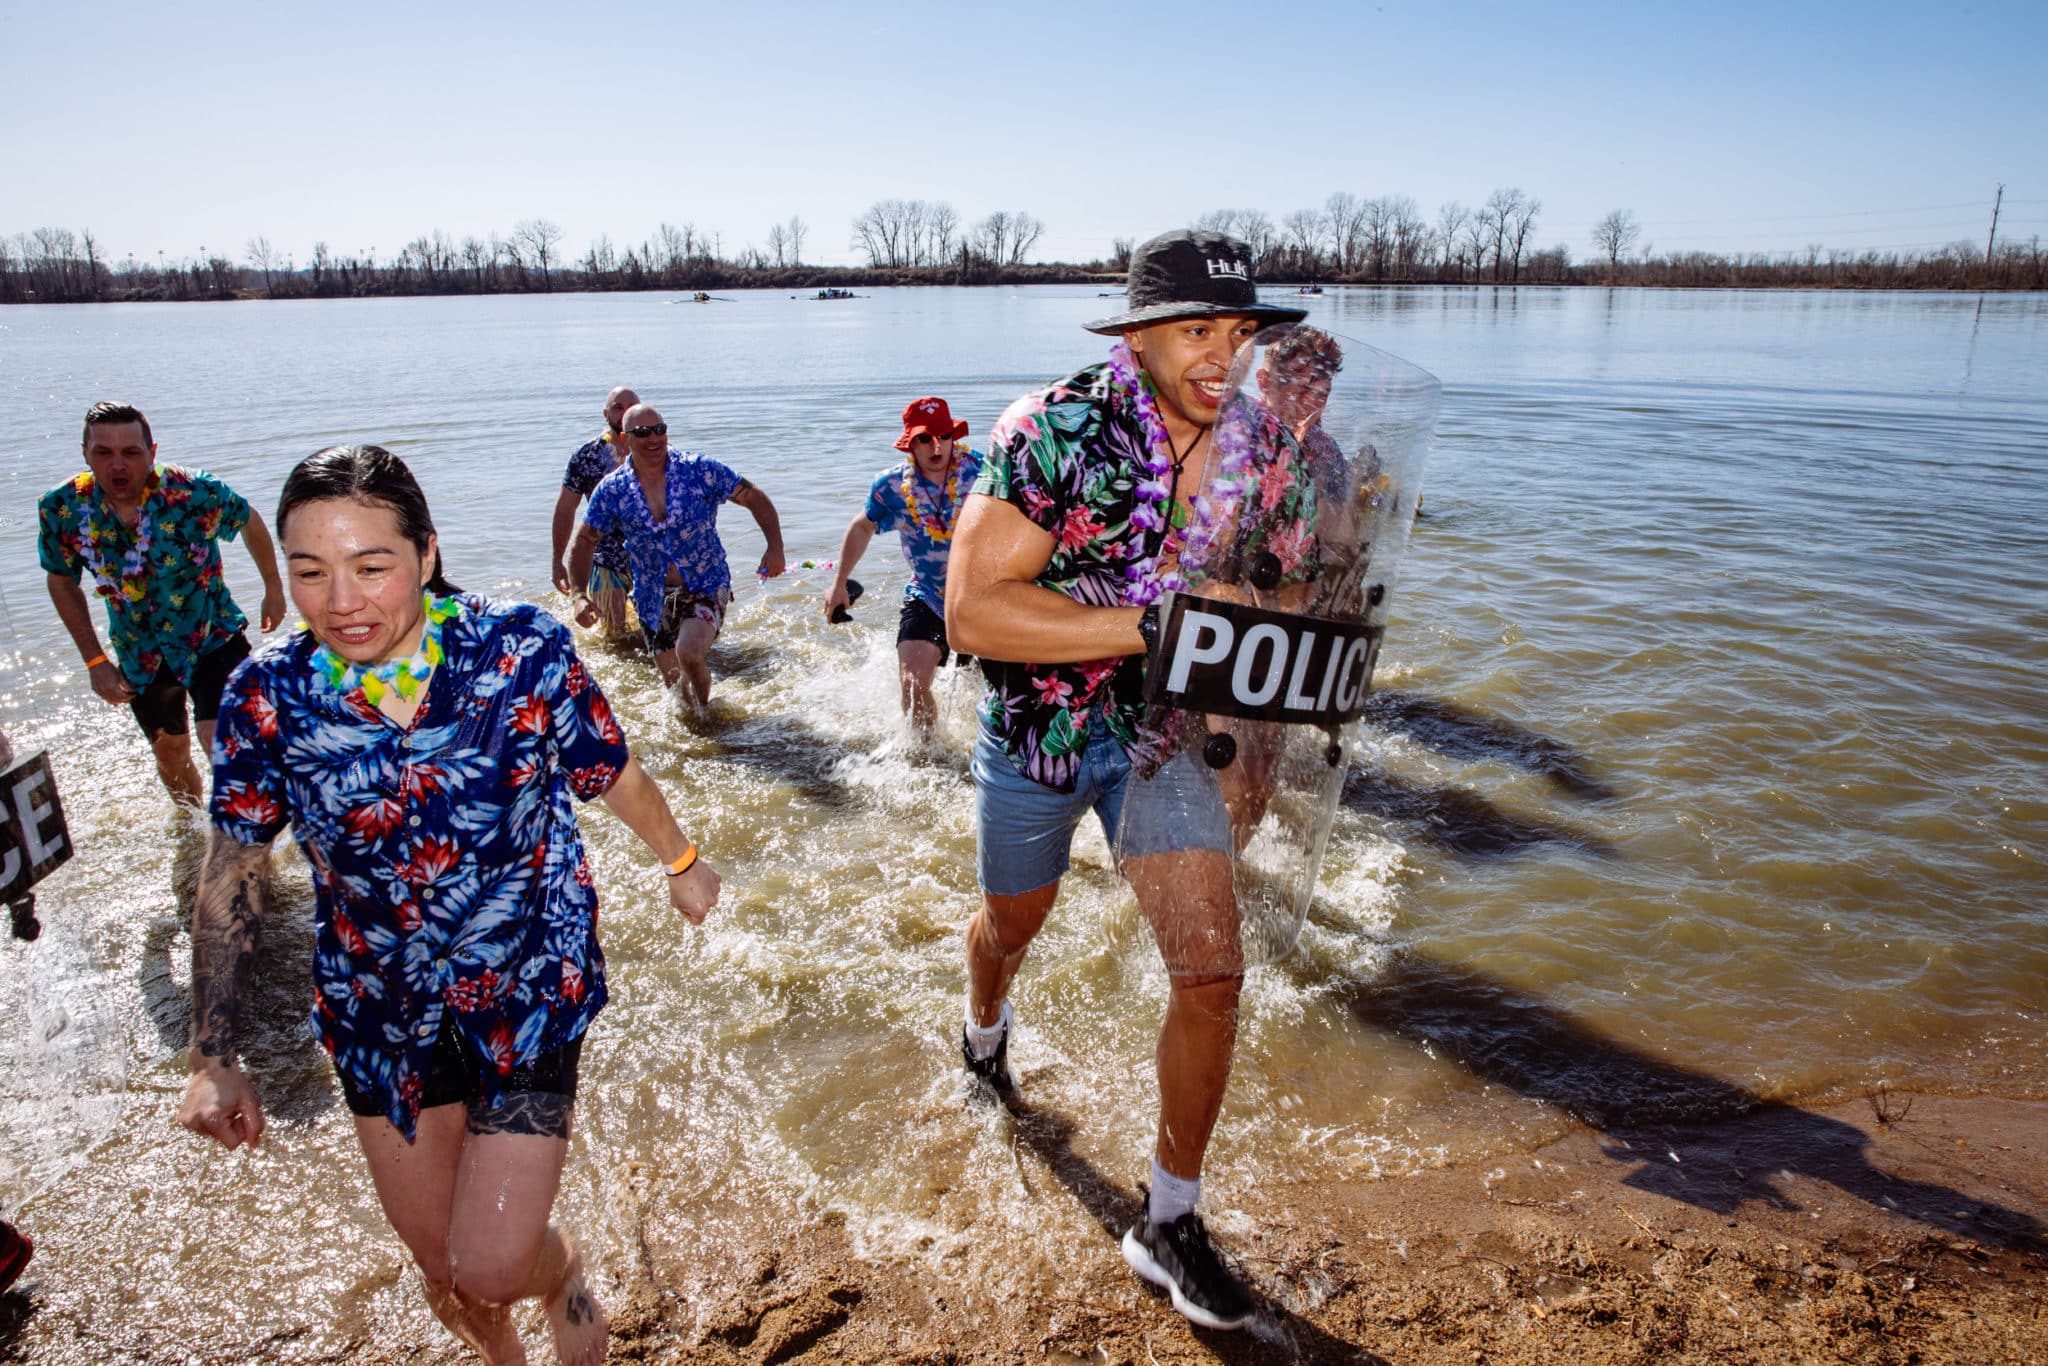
(1267, 640)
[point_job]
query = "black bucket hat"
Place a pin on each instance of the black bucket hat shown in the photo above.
(1192, 274)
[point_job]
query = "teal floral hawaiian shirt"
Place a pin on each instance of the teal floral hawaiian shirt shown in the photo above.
(167, 600)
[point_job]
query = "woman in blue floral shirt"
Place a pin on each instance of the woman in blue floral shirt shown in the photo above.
(425, 746)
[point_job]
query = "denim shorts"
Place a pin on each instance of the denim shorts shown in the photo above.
(1024, 830)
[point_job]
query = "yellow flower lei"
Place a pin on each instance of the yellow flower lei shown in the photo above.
(933, 527)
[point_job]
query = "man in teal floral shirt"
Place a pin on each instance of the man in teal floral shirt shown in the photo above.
(1074, 526)
(149, 536)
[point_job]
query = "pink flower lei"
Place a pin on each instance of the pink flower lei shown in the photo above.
(1144, 580)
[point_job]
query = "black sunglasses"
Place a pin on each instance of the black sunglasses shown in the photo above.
(658, 429)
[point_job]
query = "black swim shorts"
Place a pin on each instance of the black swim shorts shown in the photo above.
(456, 1074)
(919, 622)
(160, 708)
(678, 605)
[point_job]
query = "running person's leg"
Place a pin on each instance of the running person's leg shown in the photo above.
(1024, 832)
(687, 661)
(1176, 856)
(415, 1183)
(920, 650)
(159, 708)
(1187, 896)
(916, 662)
(471, 1199)
(209, 681)
(608, 592)
(501, 1246)
(682, 639)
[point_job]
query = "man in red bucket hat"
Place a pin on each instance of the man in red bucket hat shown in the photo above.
(919, 499)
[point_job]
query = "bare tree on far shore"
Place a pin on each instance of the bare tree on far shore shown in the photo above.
(1618, 231)
(537, 238)
(1520, 220)
(1451, 218)
(265, 258)
(794, 232)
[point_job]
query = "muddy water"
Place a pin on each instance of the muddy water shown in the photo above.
(1706, 766)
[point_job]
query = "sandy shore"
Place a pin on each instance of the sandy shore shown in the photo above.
(1913, 1233)
(1782, 1235)
(1909, 1229)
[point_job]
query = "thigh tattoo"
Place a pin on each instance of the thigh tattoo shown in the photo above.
(524, 1112)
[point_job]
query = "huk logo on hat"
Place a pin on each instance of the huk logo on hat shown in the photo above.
(1192, 274)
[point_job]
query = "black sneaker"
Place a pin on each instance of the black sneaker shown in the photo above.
(1177, 1258)
(993, 1070)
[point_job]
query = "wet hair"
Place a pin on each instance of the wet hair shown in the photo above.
(114, 414)
(373, 476)
(1303, 348)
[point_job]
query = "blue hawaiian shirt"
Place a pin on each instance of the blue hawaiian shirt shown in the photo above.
(447, 865)
(594, 459)
(177, 608)
(938, 505)
(687, 543)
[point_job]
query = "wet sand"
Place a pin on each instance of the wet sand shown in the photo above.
(1900, 1229)
(1786, 1234)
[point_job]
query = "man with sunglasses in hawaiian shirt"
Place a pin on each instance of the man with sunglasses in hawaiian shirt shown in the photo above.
(149, 535)
(665, 503)
(919, 499)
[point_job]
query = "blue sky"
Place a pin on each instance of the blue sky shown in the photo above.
(1729, 127)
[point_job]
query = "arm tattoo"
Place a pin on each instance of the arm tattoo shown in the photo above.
(227, 927)
(741, 490)
(524, 1112)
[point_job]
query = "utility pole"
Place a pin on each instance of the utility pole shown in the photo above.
(1993, 238)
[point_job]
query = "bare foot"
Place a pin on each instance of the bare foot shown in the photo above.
(577, 1320)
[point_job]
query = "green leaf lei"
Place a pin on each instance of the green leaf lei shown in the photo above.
(405, 676)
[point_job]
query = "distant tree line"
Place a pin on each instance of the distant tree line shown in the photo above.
(1387, 240)
(1349, 239)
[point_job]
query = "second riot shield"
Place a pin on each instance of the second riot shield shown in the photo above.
(1277, 596)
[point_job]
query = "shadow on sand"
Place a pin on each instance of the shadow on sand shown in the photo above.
(1649, 1107)
(1466, 733)
(1049, 1136)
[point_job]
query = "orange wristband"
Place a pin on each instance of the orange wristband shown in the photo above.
(685, 863)
(94, 662)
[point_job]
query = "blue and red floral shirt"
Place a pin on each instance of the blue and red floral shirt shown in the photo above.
(449, 872)
(167, 600)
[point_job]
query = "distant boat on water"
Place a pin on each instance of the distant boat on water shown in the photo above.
(1309, 289)
(835, 294)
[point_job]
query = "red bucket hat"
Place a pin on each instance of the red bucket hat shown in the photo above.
(929, 417)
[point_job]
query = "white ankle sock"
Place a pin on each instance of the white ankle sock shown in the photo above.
(982, 1042)
(1172, 1196)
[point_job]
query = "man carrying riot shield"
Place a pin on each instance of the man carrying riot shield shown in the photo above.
(1184, 566)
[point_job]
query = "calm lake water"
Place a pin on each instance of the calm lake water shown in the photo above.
(1707, 766)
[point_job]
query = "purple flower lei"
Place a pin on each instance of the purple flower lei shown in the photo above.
(127, 582)
(1144, 581)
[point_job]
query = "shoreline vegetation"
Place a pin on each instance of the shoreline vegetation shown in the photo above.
(1348, 241)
